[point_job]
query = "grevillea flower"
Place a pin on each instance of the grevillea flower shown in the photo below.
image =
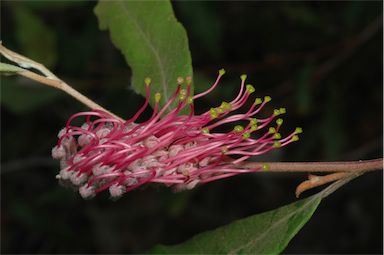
(177, 150)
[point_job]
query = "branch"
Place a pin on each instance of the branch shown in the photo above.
(49, 79)
(315, 181)
(341, 170)
(341, 166)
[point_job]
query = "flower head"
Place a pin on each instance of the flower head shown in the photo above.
(176, 150)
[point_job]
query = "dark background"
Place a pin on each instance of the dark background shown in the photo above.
(320, 60)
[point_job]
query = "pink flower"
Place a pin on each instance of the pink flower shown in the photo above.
(177, 150)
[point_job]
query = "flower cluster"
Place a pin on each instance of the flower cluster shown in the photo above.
(170, 148)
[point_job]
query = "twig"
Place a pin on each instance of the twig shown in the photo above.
(26, 62)
(341, 170)
(59, 84)
(341, 166)
(315, 181)
(49, 79)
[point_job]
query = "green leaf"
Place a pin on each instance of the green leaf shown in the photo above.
(265, 233)
(35, 37)
(153, 42)
(9, 69)
(23, 98)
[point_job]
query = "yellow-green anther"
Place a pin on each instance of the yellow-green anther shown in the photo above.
(224, 149)
(182, 94)
(221, 71)
(180, 80)
(279, 122)
(188, 79)
(276, 145)
(157, 97)
(295, 138)
(190, 100)
(238, 128)
(147, 81)
(205, 130)
(271, 130)
(253, 127)
(265, 167)
(250, 88)
(253, 121)
(246, 135)
(258, 101)
(267, 99)
(298, 130)
(225, 106)
(277, 136)
(243, 77)
(214, 113)
(276, 112)
(282, 110)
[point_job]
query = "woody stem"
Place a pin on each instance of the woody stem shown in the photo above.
(341, 166)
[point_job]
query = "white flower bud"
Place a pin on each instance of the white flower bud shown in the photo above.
(103, 132)
(175, 149)
(78, 158)
(58, 152)
(87, 191)
(100, 169)
(151, 141)
(130, 181)
(192, 184)
(85, 126)
(84, 140)
(62, 132)
(65, 174)
(77, 179)
(116, 190)
(135, 164)
(204, 161)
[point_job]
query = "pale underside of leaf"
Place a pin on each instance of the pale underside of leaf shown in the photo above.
(9, 69)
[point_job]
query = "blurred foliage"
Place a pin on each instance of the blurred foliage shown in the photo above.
(320, 60)
(35, 37)
(22, 98)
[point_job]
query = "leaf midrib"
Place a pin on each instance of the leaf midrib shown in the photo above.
(235, 251)
(153, 49)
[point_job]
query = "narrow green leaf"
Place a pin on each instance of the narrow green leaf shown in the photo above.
(9, 69)
(153, 42)
(265, 233)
